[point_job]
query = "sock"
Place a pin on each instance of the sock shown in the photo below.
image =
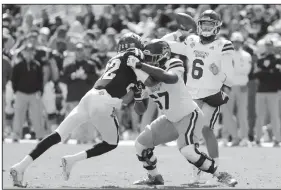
(79, 156)
(216, 161)
(153, 172)
(26, 161)
(45, 144)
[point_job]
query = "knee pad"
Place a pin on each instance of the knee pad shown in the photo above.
(197, 158)
(146, 156)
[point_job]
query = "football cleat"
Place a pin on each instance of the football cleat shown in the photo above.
(67, 165)
(17, 177)
(196, 175)
(227, 179)
(151, 180)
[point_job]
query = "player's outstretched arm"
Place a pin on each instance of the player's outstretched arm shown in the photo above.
(159, 74)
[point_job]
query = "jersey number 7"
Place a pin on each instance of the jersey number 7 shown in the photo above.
(197, 72)
(166, 96)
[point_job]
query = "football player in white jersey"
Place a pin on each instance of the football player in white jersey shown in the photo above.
(180, 114)
(209, 68)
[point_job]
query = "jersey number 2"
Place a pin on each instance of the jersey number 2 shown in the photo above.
(110, 69)
(166, 96)
(197, 71)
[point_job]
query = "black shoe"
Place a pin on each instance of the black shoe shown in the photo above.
(151, 180)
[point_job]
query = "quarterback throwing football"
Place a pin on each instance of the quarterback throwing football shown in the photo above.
(209, 68)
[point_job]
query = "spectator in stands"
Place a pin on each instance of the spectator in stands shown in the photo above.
(27, 81)
(267, 94)
(109, 39)
(58, 22)
(16, 23)
(45, 19)
(120, 16)
(28, 23)
(278, 56)
(76, 29)
(59, 54)
(43, 38)
(60, 35)
(258, 24)
(238, 95)
(102, 55)
(9, 42)
(89, 17)
(145, 26)
(79, 77)
(6, 76)
(105, 19)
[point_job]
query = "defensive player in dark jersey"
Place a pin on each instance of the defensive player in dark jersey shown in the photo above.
(97, 106)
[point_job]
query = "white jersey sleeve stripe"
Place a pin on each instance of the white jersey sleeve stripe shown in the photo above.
(175, 66)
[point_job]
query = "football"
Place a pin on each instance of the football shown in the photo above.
(186, 22)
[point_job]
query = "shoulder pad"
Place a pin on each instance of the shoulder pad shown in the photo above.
(227, 46)
(193, 37)
(174, 63)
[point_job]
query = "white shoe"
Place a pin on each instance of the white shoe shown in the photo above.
(67, 165)
(17, 176)
(196, 176)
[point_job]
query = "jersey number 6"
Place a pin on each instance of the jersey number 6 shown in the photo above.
(197, 72)
(166, 96)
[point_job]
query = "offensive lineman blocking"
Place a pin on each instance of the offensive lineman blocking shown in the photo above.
(171, 95)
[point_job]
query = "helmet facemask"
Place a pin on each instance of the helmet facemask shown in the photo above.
(208, 27)
(155, 59)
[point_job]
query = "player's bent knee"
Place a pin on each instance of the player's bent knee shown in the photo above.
(146, 138)
(198, 159)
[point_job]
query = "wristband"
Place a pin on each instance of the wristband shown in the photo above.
(138, 65)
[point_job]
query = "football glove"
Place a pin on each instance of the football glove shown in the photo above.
(134, 57)
(138, 91)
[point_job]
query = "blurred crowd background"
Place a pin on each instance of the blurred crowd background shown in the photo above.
(53, 54)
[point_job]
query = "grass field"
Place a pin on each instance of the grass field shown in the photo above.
(253, 167)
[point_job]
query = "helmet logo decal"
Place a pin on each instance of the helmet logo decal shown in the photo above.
(147, 52)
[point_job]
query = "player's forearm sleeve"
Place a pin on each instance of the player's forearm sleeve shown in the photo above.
(227, 70)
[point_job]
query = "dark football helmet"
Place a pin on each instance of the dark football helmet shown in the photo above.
(208, 25)
(129, 40)
(157, 52)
